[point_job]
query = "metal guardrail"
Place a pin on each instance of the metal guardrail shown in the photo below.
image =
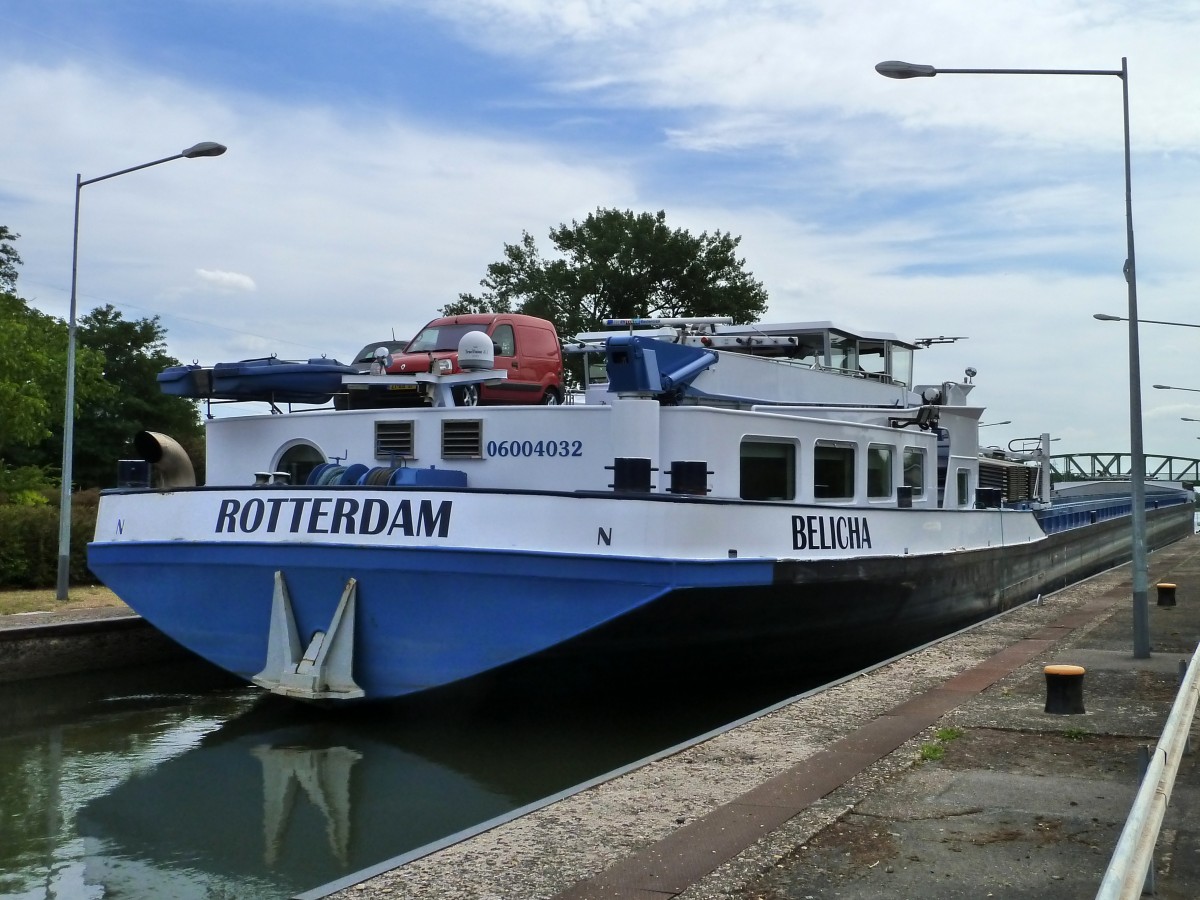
(1134, 853)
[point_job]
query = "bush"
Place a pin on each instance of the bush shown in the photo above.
(26, 485)
(29, 542)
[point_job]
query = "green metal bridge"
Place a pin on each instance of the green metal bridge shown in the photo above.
(1101, 466)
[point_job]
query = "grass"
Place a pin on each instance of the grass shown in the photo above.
(937, 749)
(81, 597)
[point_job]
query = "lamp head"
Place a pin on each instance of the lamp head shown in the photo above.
(207, 148)
(1105, 317)
(894, 68)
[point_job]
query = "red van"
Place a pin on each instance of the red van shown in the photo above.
(526, 347)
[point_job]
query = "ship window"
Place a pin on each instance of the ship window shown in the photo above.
(902, 365)
(879, 471)
(914, 470)
(768, 470)
(833, 471)
(298, 460)
(843, 353)
(872, 360)
(964, 486)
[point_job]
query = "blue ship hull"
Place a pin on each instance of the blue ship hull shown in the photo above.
(412, 634)
(611, 615)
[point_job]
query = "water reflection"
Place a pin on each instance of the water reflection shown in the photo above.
(296, 803)
(324, 777)
(65, 742)
(176, 782)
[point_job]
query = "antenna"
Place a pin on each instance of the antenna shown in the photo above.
(940, 339)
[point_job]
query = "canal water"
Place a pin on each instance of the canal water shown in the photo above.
(174, 781)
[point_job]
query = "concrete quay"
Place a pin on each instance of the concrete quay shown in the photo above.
(44, 644)
(938, 775)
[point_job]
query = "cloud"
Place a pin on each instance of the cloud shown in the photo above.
(359, 217)
(720, 65)
(229, 281)
(989, 207)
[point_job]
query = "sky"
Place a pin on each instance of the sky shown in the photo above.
(382, 152)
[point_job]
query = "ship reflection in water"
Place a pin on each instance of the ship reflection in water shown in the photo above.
(324, 776)
(176, 782)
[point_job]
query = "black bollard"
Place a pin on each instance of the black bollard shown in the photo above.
(1064, 690)
(1166, 594)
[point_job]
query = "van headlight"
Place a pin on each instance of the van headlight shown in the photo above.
(445, 366)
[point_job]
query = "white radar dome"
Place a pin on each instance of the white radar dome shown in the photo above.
(475, 351)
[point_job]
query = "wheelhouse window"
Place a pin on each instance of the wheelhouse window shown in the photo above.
(872, 359)
(843, 353)
(768, 470)
(879, 471)
(902, 365)
(964, 487)
(914, 470)
(833, 471)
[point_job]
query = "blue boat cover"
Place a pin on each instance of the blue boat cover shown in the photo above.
(269, 379)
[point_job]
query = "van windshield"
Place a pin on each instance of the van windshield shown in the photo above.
(441, 337)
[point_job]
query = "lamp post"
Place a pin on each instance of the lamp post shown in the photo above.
(1105, 317)
(1137, 456)
(207, 148)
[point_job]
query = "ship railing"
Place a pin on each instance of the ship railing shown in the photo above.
(1065, 515)
(1129, 869)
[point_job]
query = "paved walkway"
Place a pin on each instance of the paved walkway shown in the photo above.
(937, 776)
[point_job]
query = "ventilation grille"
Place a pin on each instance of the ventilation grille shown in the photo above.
(1022, 483)
(992, 476)
(462, 439)
(394, 440)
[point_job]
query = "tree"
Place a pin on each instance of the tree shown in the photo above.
(9, 260)
(33, 365)
(618, 264)
(116, 386)
(134, 354)
(32, 362)
(28, 370)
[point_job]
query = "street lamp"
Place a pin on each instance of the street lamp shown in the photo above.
(1105, 317)
(990, 424)
(1137, 456)
(207, 148)
(1168, 387)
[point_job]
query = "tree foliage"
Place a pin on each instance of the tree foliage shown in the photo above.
(619, 264)
(33, 366)
(116, 388)
(28, 366)
(134, 353)
(9, 260)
